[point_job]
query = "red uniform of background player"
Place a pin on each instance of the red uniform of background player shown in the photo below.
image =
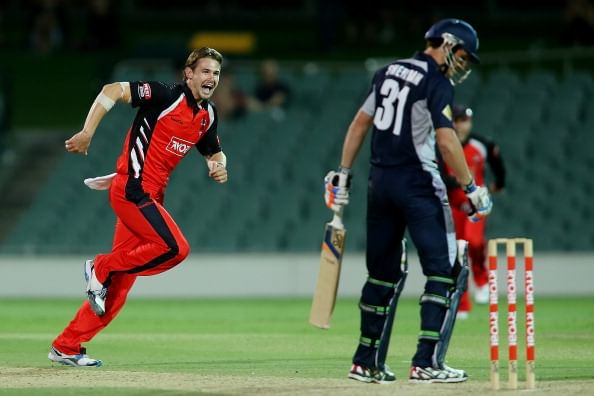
(478, 152)
(171, 119)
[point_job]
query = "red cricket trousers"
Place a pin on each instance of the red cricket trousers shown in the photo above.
(474, 233)
(147, 241)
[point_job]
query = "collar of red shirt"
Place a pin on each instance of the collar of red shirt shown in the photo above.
(192, 101)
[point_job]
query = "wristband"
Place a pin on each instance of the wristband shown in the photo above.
(343, 170)
(470, 187)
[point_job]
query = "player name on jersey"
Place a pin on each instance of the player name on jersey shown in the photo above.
(404, 73)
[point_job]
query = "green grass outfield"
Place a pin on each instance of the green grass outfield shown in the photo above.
(266, 346)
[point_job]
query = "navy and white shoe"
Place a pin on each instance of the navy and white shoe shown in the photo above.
(362, 374)
(79, 360)
(430, 375)
(96, 292)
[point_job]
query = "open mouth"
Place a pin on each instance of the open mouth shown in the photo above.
(207, 88)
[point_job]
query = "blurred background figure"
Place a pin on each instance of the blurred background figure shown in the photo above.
(579, 20)
(271, 91)
(48, 26)
(230, 100)
(479, 153)
(102, 25)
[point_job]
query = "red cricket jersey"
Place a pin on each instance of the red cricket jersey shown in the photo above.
(478, 151)
(169, 122)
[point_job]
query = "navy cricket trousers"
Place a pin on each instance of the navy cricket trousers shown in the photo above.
(400, 198)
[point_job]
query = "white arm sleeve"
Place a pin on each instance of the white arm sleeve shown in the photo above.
(369, 104)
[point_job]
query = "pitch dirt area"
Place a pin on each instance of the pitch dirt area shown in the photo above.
(41, 380)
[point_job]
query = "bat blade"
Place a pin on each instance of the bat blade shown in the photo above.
(328, 278)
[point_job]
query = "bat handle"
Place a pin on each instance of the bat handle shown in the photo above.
(337, 219)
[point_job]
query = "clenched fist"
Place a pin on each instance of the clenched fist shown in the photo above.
(217, 171)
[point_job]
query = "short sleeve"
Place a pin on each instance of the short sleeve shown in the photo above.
(150, 93)
(440, 97)
(210, 143)
(368, 106)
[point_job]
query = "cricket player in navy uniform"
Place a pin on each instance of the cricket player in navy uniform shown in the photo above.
(409, 107)
(171, 120)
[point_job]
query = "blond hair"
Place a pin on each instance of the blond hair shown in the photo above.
(197, 54)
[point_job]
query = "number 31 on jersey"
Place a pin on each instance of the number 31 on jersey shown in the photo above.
(393, 101)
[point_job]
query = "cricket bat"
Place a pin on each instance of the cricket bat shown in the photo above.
(330, 262)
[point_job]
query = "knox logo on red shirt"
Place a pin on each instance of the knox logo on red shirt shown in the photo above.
(179, 146)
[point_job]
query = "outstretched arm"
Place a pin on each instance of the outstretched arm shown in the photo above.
(109, 95)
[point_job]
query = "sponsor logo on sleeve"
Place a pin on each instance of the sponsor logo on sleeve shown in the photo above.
(144, 91)
(447, 112)
(179, 146)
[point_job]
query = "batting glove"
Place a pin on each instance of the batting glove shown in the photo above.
(337, 188)
(480, 200)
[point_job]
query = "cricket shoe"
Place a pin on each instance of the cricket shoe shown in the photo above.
(80, 360)
(462, 315)
(375, 376)
(96, 292)
(430, 375)
(481, 295)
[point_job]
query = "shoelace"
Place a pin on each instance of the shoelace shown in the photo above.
(101, 293)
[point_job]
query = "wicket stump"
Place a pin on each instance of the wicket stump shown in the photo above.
(512, 334)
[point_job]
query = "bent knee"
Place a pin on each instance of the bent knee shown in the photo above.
(182, 250)
(176, 250)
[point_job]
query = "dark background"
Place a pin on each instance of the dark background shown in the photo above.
(81, 40)
(533, 94)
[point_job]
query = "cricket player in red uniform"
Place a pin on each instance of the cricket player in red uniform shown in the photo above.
(171, 119)
(478, 152)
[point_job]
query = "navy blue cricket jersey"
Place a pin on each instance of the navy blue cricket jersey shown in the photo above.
(408, 100)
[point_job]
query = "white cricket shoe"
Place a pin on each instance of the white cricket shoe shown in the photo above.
(80, 360)
(430, 375)
(96, 292)
(462, 315)
(363, 374)
(459, 372)
(481, 295)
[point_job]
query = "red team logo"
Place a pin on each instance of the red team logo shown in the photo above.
(178, 146)
(144, 91)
